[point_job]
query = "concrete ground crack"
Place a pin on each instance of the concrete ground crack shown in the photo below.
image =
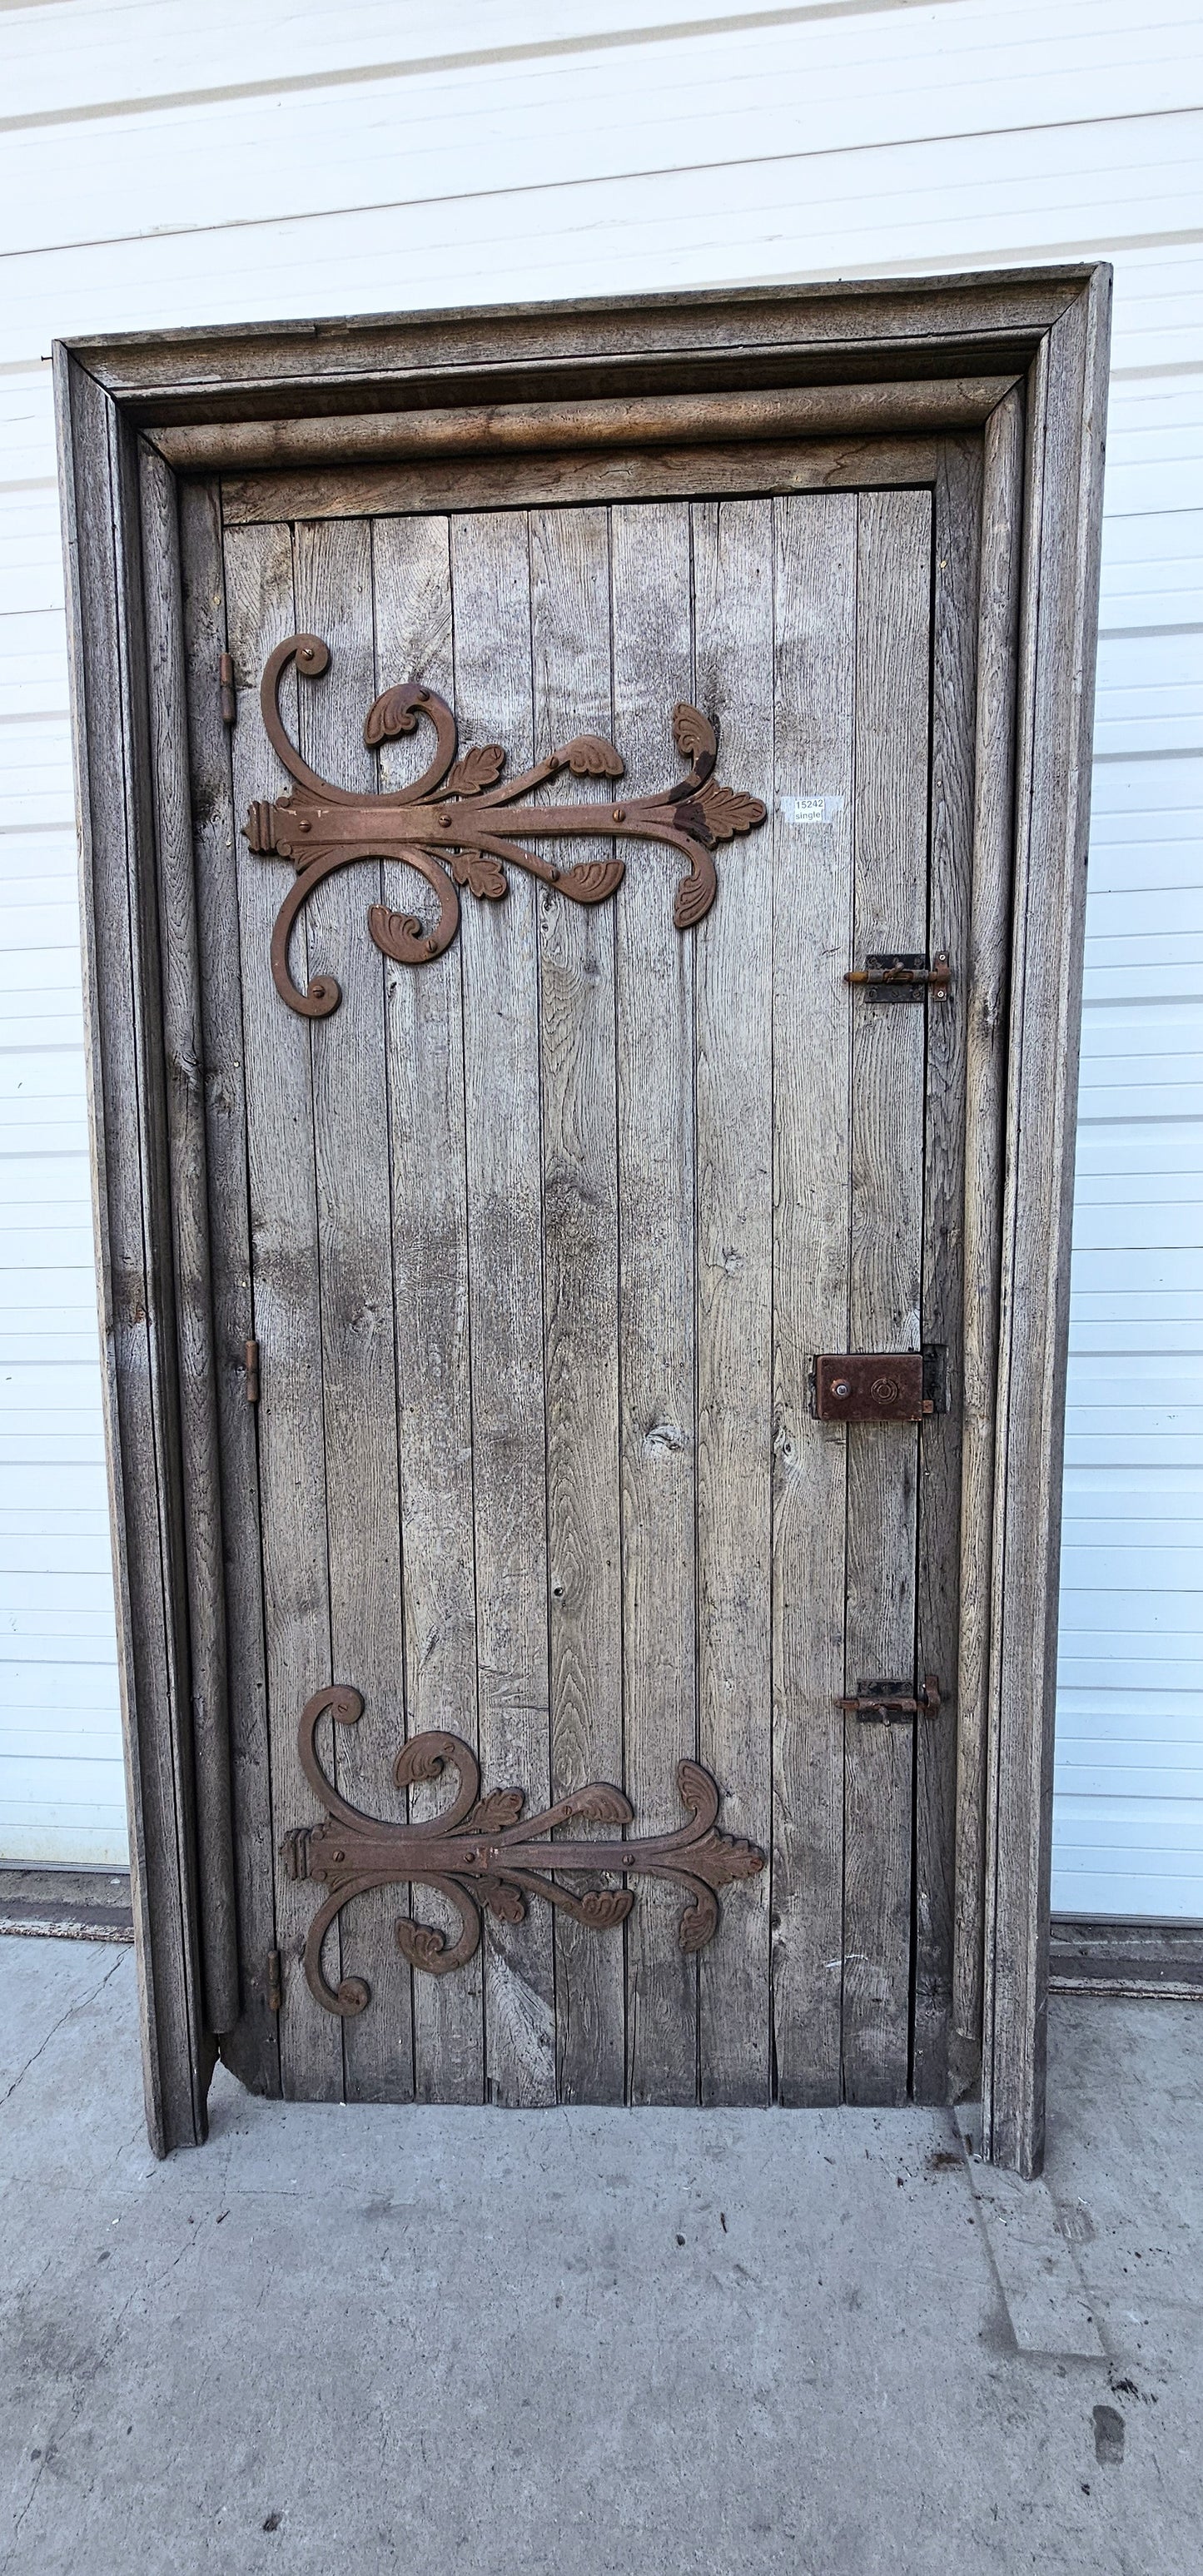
(82, 2003)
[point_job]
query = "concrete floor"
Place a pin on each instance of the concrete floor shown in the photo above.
(821, 2343)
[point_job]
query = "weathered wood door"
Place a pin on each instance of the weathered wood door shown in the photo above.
(538, 1241)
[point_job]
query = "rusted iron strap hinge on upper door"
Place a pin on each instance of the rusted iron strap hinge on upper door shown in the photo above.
(892, 1701)
(903, 975)
(251, 1365)
(225, 683)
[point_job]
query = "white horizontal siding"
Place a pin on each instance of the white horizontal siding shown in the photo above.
(166, 164)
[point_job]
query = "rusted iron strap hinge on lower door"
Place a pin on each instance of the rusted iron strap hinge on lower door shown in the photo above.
(275, 1989)
(251, 1365)
(891, 1701)
(225, 683)
(903, 975)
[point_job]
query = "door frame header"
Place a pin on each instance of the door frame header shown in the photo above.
(1018, 357)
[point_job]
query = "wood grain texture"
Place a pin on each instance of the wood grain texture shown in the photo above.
(726, 345)
(955, 574)
(490, 573)
(653, 669)
(579, 477)
(252, 2048)
(596, 344)
(189, 1193)
(815, 652)
(127, 1121)
(425, 1064)
(889, 912)
(733, 581)
(570, 638)
(261, 611)
(358, 1386)
(1053, 768)
(357, 438)
(985, 994)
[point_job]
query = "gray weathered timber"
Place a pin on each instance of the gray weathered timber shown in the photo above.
(358, 1389)
(361, 438)
(261, 610)
(1053, 783)
(815, 650)
(885, 1270)
(252, 2048)
(653, 669)
(733, 571)
(570, 643)
(894, 340)
(189, 1193)
(955, 572)
(693, 341)
(425, 1083)
(127, 1118)
(578, 476)
(490, 574)
(985, 988)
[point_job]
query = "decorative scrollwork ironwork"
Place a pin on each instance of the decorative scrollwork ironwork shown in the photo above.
(457, 826)
(481, 1852)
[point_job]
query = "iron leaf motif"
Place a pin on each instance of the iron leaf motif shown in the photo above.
(485, 1853)
(460, 824)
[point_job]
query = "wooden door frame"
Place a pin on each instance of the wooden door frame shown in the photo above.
(1019, 357)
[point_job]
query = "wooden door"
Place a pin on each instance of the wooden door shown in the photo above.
(538, 1240)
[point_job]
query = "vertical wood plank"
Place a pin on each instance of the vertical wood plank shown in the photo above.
(733, 594)
(570, 634)
(500, 949)
(985, 1077)
(815, 652)
(425, 1045)
(333, 577)
(181, 1039)
(131, 1205)
(653, 670)
(956, 553)
(252, 2048)
(890, 912)
(287, 1319)
(1049, 915)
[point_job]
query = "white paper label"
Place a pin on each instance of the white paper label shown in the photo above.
(811, 809)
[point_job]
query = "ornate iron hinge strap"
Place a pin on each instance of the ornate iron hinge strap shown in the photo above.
(481, 1852)
(456, 826)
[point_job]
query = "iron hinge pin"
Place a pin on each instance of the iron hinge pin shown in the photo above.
(225, 683)
(275, 1990)
(251, 1364)
(891, 1700)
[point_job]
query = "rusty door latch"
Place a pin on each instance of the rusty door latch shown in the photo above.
(881, 1386)
(903, 975)
(893, 1702)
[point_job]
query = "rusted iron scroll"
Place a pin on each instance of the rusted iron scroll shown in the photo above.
(458, 827)
(482, 1854)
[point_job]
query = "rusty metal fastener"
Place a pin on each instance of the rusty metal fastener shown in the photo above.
(889, 1700)
(903, 975)
(484, 1854)
(460, 824)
